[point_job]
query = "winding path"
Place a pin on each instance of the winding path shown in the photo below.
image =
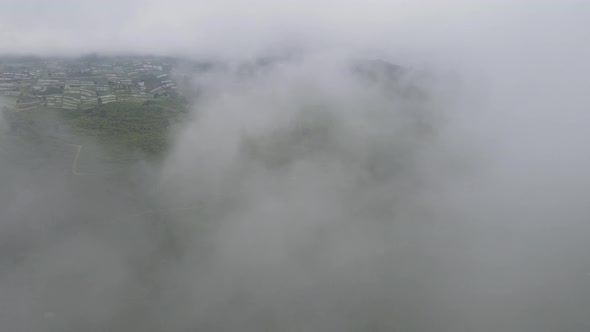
(75, 162)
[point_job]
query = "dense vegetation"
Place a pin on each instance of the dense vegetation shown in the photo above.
(137, 125)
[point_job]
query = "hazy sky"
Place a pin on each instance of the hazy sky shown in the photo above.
(237, 28)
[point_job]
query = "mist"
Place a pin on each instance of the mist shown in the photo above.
(386, 166)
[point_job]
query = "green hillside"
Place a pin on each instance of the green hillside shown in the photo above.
(136, 125)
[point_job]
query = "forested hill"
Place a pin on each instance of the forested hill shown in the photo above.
(138, 125)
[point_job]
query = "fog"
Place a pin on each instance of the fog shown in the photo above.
(397, 167)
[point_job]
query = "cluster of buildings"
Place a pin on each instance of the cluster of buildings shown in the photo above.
(85, 83)
(11, 82)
